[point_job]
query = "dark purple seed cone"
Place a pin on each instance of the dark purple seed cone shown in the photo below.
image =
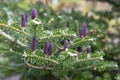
(33, 13)
(23, 20)
(26, 17)
(65, 44)
(79, 49)
(46, 46)
(50, 49)
(84, 30)
(88, 50)
(81, 32)
(34, 41)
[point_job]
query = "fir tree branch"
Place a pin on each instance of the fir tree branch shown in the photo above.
(56, 45)
(86, 59)
(10, 38)
(15, 29)
(103, 65)
(43, 58)
(38, 67)
(36, 56)
(88, 67)
(85, 40)
(56, 36)
(11, 51)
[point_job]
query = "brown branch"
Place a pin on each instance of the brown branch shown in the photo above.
(37, 67)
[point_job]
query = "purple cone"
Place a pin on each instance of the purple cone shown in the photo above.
(46, 46)
(23, 20)
(84, 30)
(79, 49)
(50, 48)
(81, 32)
(33, 13)
(26, 17)
(88, 50)
(34, 41)
(65, 44)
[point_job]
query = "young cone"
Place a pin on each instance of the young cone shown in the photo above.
(34, 41)
(88, 52)
(84, 30)
(65, 45)
(46, 46)
(23, 21)
(33, 13)
(50, 49)
(81, 32)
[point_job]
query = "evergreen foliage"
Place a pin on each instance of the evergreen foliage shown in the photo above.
(62, 64)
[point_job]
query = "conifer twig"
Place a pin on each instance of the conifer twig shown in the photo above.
(15, 29)
(96, 58)
(10, 38)
(47, 59)
(55, 36)
(37, 67)
(88, 67)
